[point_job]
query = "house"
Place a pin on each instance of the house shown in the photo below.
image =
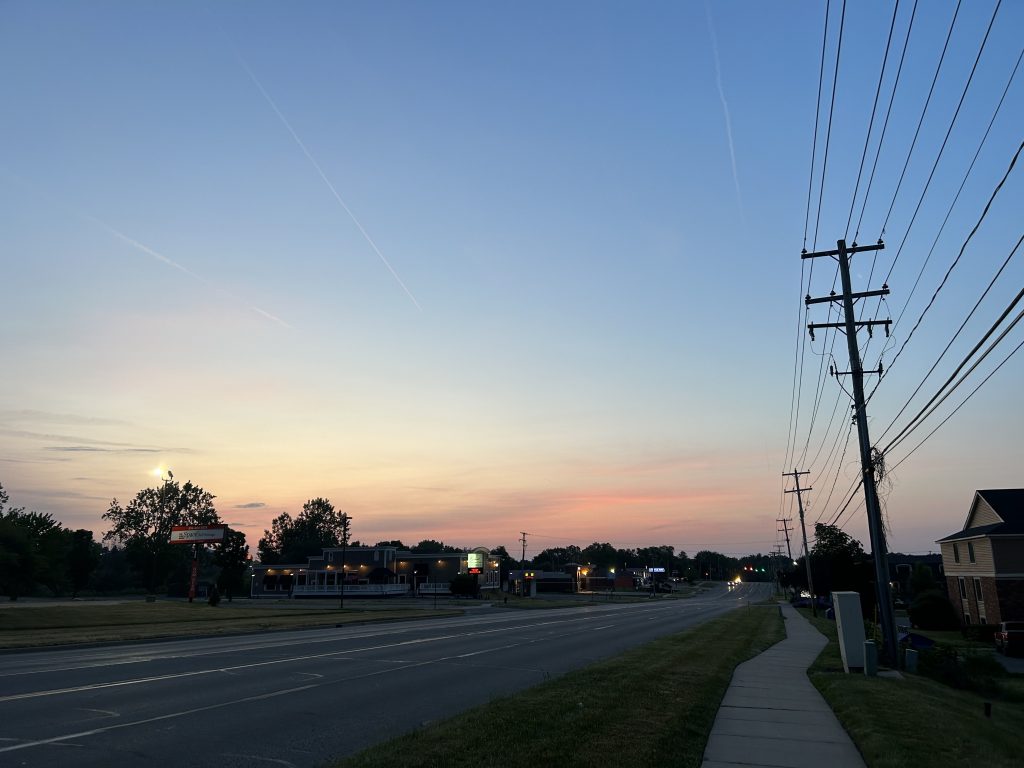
(984, 562)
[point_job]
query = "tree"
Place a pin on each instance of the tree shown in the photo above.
(232, 556)
(33, 550)
(601, 555)
(293, 540)
(838, 562)
(506, 562)
(396, 543)
(428, 546)
(144, 526)
(83, 559)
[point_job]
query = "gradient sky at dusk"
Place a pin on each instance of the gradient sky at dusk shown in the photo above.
(469, 269)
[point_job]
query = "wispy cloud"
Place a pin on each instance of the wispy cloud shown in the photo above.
(250, 505)
(94, 449)
(323, 176)
(47, 417)
(725, 111)
(181, 268)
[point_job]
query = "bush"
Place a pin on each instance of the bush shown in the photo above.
(982, 633)
(213, 596)
(464, 585)
(932, 610)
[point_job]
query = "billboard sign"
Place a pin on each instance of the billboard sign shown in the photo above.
(198, 534)
(475, 560)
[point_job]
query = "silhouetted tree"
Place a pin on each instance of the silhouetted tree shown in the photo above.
(144, 526)
(292, 540)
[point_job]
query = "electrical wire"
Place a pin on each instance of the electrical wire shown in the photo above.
(949, 211)
(948, 387)
(955, 335)
(871, 121)
(924, 111)
(962, 404)
(828, 133)
(885, 126)
(945, 140)
(959, 255)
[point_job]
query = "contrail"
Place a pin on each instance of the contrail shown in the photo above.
(171, 263)
(319, 170)
(725, 111)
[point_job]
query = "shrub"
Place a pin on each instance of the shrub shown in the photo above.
(213, 597)
(982, 633)
(932, 610)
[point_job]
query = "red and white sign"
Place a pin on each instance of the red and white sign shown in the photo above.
(198, 534)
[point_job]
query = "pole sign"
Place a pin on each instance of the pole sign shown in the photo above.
(656, 569)
(198, 534)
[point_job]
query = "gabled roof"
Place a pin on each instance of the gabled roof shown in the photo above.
(1007, 503)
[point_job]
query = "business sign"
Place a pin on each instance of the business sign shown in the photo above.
(656, 569)
(475, 560)
(198, 534)
(475, 570)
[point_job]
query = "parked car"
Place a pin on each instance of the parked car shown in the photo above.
(1010, 637)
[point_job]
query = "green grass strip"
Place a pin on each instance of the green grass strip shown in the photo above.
(916, 721)
(653, 705)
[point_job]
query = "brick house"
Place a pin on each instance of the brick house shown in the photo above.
(984, 562)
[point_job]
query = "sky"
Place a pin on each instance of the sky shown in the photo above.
(471, 269)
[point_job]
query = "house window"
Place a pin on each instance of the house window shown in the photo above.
(967, 619)
(956, 554)
(970, 551)
(963, 587)
(977, 590)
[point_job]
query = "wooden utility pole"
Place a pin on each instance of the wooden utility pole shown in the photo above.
(523, 540)
(850, 326)
(785, 528)
(803, 527)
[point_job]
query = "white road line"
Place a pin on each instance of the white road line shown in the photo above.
(253, 665)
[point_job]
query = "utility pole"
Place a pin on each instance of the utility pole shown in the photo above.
(850, 326)
(523, 540)
(803, 527)
(785, 527)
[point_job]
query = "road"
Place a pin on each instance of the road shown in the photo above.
(301, 698)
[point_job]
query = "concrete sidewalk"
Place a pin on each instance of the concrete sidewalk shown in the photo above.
(772, 715)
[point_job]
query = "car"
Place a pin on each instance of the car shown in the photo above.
(1009, 637)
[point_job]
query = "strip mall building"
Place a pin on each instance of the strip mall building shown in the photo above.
(375, 572)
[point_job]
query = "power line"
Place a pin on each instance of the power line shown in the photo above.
(945, 140)
(871, 121)
(828, 133)
(952, 205)
(817, 115)
(956, 261)
(962, 404)
(955, 336)
(885, 126)
(938, 398)
(924, 111)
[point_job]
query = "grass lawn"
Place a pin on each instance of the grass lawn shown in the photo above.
(918, 721)
(26, 627)
(654, 705)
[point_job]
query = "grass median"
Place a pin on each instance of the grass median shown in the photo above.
(919, 721)
(28, 627)
(655, 704)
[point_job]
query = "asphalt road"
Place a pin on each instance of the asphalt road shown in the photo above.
(302, 698)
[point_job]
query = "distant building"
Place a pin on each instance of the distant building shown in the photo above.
(984, 562)
(374, 572)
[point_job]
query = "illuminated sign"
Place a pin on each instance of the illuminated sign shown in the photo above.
(475, 570)
(475, 560)
(198, 534)
(528, 575)
(656, 569)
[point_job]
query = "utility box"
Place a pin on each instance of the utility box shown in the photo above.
(850, 628)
